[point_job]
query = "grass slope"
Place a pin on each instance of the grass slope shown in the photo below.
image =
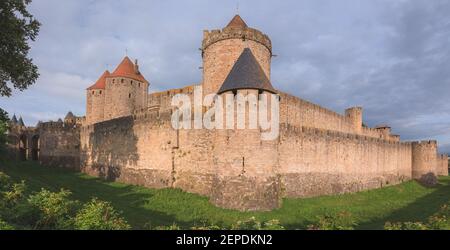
(371, 209)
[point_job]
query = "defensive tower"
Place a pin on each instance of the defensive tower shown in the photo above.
(222, 48)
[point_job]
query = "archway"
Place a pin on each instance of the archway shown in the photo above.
(23, 146)
(35, 147)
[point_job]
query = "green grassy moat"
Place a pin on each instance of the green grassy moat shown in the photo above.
(371, 209)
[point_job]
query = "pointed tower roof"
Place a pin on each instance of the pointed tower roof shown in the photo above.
(101, 82)
(69, 115)
(237, 22)
(246, 74)
(14, 119)
(128, 69)
(20, 122)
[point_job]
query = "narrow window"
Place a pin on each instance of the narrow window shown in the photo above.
(129, 95)
(93, 92)
(100, 92)
(121, 80)
(139, 84)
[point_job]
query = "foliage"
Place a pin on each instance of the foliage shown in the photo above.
(3, 129)
(5, 226)
(250, 224)
(438, 221)
(340, 221)
(54, 209)
(170, 227)
(17, 28)
(253, 224)
(99, 215)
(408, 201)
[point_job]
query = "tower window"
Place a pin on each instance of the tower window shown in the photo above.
(93, 92)
(121, 80)
(114, 80)
(139, 84)
(129, 95)
(100, 92)
(131, 83)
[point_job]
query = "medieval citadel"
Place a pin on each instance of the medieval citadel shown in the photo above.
(127, 136)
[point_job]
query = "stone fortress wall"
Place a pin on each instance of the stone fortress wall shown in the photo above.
(127, 136)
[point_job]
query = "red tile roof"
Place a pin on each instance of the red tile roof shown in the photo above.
(101, 82)
(237, 22)
(127, 69)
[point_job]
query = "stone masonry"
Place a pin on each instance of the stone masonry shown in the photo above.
(127, 136)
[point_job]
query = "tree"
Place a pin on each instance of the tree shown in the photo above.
(17, 28)
(3, 128)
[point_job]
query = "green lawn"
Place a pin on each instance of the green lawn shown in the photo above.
(371, 209)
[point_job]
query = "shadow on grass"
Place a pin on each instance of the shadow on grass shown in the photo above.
(419, 210)
(127, 198)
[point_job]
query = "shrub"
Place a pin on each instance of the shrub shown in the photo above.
(54, 210)
(99, 215)
(272, 225)
(250, 224)
(340, 221)
(5, 226)
(438, 221)
(171, 227)
(253, 224)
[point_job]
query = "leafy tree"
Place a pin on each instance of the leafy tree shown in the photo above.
(17, 28)
(3, 128)
(99, 215)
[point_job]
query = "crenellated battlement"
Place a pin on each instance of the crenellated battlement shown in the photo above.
(289, 129)
(128, 136)
(213, 36)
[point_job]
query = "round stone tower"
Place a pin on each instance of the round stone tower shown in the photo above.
(96, 100)
(126, 90)
(222, 48)
(424, 159)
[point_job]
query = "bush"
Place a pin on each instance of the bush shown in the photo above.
(250, 224)
(253, 224)
(54, 210)
(5, 226)
(340, 221)
(99, 215)
(438, 221)
(171, 227)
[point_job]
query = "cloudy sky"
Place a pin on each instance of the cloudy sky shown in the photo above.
(391, 57)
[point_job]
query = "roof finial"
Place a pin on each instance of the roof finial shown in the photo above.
(126, 51)
(237, 8)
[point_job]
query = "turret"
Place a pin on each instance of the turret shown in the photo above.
(126, 90)
(254, 178)
(20, 122)
(354, 115)
(14, 120)
(95, 106)
(70, 118)
(222, 48)
(424, 159)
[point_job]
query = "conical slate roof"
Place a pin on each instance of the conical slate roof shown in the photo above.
(101, 82)
(127, 69)
(20, 122)
(246, 74)
(237, 22)
(14, 119)
(69, 115)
